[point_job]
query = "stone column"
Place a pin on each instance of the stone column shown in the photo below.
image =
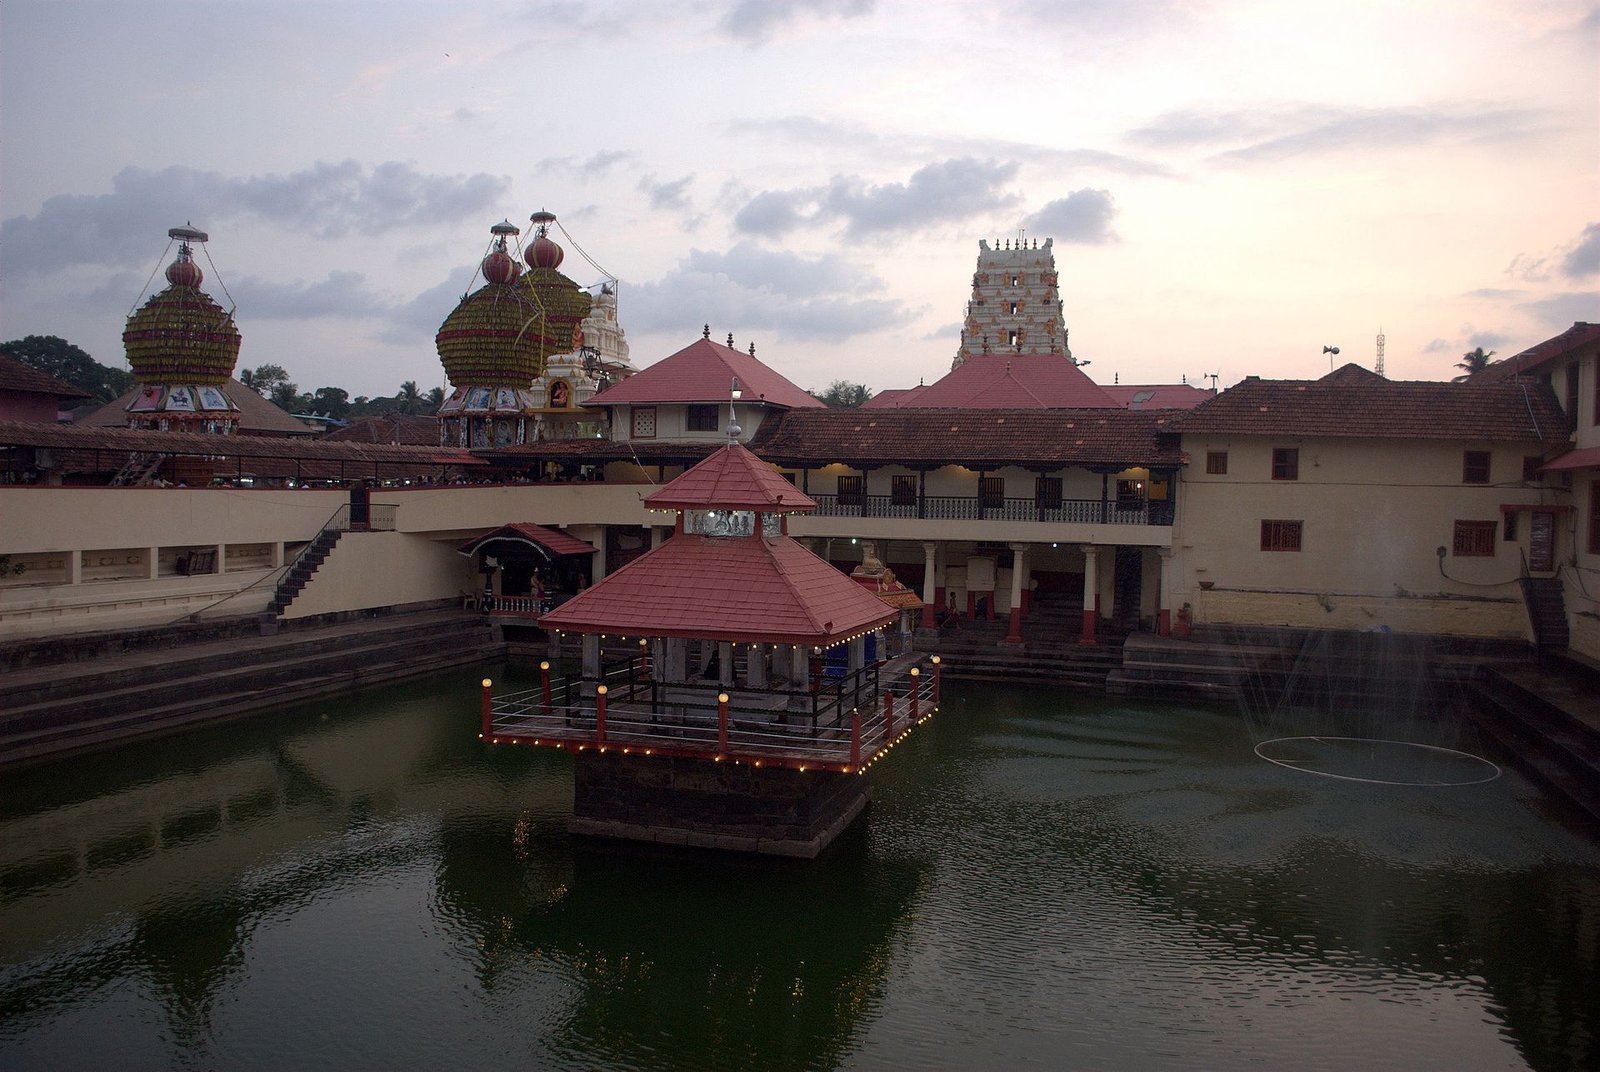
(855, 654)
(1091, 593)
(277, 553)
(929, 590)
(597, 566)
(591, 655)
(74, 567)
(1014, 629)
(658, 536)
(152, 565)
(758, 666)
(725, 664)
(1164, 605)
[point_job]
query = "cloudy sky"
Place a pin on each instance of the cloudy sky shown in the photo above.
(1230, 185)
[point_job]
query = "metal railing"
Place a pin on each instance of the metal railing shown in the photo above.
(972, 508)
(380, 518)
(842, 724)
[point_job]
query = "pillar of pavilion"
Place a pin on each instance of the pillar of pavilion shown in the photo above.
(754, 712)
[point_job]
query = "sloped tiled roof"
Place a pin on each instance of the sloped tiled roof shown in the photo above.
(974, 438)
(740, 588)
(1579, 336)
(1350, 372)
(406, 430)
(1009, 381)
(1156, 395)
(891, 397)
(703, 372)
(554, 541)
(257, 416)
(1382, 409)
(732, 479)
(15, 376)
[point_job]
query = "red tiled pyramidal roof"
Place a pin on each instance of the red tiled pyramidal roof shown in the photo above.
(704, 371)
(738, 588)
(1008, 381)
(1378, 408)
(732, 479)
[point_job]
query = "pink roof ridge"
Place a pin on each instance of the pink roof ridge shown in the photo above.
(704, 371)
(1009, 381)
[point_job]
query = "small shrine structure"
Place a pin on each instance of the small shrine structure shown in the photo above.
(182, 346)
(726, 697)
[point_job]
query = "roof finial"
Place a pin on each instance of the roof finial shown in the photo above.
(730, 340)
(705, 333)
(752, 349)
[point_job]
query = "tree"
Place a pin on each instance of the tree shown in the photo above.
(66, 362)
(1471, 362)
(331, 402)
(410, 398)
(264, 380)
(842, 394)
(286, 396)
(436, 399)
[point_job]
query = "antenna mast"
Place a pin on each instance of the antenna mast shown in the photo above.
(1378, 368)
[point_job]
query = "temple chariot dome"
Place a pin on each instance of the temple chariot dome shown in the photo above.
(517, 350)
(182, 347)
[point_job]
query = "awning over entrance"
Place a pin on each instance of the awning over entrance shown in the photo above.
(550, 544)
(1584, 458)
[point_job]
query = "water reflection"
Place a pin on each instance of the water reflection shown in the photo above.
(1041, 879)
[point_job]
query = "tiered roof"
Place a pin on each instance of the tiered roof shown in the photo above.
(732, 479)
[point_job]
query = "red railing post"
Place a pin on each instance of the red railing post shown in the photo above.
(600, 716)
(855, 738)
(938, 669)
(916, 683)
(722, 723)
(488, 710)
(544, 685)
(888, 714)
(644, 659)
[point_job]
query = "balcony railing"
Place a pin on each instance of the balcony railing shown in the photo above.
(380, 518)
(970, 508)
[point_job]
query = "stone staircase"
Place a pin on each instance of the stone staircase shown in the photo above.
(49, 709)
(1049, 652)
(299, 574)
(1547, 612)
(1545, 719)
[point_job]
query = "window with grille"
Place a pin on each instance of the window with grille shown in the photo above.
(1280, 535)
(1217, 463)
(1475, 467)
(1474, 539)
(701, 418)
(1047, 492)
(644, 422)
(1286, 463)
(991, 492)
(903, 491)
(852, 491)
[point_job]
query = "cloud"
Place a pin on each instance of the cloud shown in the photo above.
(1285, 132)
(1082, 216)
(1561, 311)
(326, 200)
(1494, 294)
(1583, 257)
(341, 294)
(750, 289)
(598, 164)
(756, 22)
(667, 195)
(934, 194)
(420, 317)
(802, 130)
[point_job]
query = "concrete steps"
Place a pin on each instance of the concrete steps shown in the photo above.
(1545, 720)
(54, 710)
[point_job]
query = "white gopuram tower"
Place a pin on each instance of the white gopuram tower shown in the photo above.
(1015, 306)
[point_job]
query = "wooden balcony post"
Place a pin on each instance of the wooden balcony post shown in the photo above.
(600, 716)
(722, 723)
(488, 710)
(544, 685)
(916, 682)
(938, 669)
(888, 715)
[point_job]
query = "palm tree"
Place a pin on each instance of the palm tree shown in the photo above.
(1471, 362)
(410, 397)
(435, 398)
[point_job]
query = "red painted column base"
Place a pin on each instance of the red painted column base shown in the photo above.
(1014, 629)
(1087, 640)
(927, 616)
(1164, 623)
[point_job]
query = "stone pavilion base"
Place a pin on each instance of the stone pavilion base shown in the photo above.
(740, 808)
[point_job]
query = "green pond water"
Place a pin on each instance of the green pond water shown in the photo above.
(1043, 880)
